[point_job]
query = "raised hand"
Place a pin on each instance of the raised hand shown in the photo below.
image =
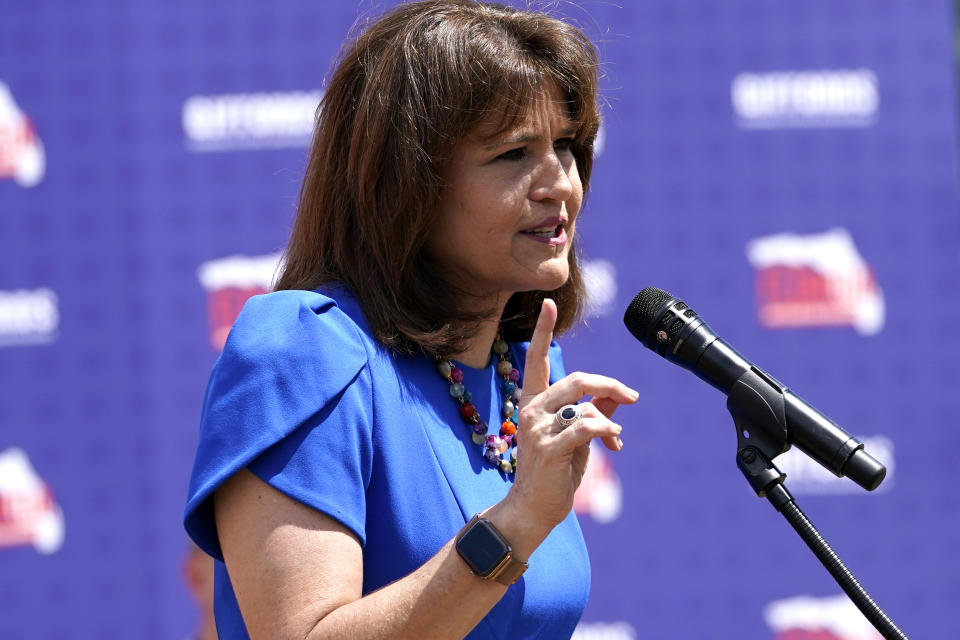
(551, 460)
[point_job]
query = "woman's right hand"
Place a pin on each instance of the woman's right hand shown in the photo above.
(551, 460)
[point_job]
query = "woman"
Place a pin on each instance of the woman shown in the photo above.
(361, 415)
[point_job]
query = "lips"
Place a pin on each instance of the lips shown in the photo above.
(549, 230)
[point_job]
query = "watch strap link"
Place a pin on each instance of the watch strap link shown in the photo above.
(508, 571)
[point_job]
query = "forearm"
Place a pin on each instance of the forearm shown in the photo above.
(441, 599)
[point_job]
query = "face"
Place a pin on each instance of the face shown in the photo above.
(510, 204)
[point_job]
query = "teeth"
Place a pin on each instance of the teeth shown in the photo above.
(549, 232)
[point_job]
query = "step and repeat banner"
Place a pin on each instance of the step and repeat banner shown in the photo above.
(787, 169)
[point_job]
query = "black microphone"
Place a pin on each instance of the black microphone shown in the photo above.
(773, 415)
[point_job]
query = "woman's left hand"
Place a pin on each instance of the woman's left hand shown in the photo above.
(551, 459)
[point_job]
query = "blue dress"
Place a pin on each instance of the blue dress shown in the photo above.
(305, 398)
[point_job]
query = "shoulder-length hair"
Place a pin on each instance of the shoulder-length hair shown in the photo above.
(402, 94)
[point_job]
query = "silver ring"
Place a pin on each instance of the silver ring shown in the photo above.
(568, 415)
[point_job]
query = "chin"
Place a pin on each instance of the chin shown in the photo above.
(552, 278)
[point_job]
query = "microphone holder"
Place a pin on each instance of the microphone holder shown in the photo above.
(755, 449)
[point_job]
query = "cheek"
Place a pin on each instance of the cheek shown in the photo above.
(494, 213)
(442, 239)
(573, 175)
(576, 199)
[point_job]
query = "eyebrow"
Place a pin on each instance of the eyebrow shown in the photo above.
(526, 138)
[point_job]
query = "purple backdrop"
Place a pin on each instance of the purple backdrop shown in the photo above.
(789, 169)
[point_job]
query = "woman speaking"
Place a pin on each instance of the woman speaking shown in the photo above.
(389, 445)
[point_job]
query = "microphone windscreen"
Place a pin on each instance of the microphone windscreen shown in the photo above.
(644, 310)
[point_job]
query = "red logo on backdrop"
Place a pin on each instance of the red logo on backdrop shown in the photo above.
(809, 618)
(28, 513)
(815, 280)
(229, 282)
(600, 495)
(21, 152)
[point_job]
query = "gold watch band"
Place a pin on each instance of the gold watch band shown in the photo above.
(508, 571)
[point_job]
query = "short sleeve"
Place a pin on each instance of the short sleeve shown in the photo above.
(289, 397)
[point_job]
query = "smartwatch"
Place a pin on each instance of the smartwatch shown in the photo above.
(487, 553)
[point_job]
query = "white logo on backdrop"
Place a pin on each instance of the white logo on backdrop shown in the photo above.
(799, 99)
(28, 317)
(28, 513)
(806, 477)
(815, 280)
(833, 617)
(600, 278)
(250, 120)
(240, 272)
(21, 153)
(604, 631)
(229, 282)
(600, 142)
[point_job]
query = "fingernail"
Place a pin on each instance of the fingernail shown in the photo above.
(619, 444)
(636, 394)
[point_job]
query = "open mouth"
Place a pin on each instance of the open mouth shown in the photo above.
(546, 232)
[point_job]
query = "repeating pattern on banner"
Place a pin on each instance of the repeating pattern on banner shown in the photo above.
(604, 631)
(600, 279)
(250, 120)
(723, 122)
(229, 282)
(29, 515)
(811, 618)
(28, 316)
(815, 280)
(21, 152)
(802, 99)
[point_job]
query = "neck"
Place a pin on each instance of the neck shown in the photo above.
(480, 345)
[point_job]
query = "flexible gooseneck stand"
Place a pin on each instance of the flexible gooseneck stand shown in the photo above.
(767, 481)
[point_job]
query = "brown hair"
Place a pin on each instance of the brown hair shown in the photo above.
(402, 94)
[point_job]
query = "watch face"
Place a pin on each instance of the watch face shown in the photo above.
(481, 548)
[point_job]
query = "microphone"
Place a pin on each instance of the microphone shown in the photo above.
(765, 411)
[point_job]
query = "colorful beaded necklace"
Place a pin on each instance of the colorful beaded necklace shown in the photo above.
(495, 447)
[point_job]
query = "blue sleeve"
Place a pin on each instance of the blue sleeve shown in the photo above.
(289, 398)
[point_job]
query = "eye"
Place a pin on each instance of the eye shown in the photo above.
(563, 144)
(513, 154)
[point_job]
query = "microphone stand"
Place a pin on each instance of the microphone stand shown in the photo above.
(755, 449)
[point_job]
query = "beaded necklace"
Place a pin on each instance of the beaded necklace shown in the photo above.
(495, 447)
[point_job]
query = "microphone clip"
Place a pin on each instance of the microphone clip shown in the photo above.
(757, 405)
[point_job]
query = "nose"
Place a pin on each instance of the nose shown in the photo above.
(554, 178)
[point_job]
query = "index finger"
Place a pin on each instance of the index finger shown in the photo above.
(536, 367)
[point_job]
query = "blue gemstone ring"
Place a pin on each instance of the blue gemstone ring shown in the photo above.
(568, 414)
